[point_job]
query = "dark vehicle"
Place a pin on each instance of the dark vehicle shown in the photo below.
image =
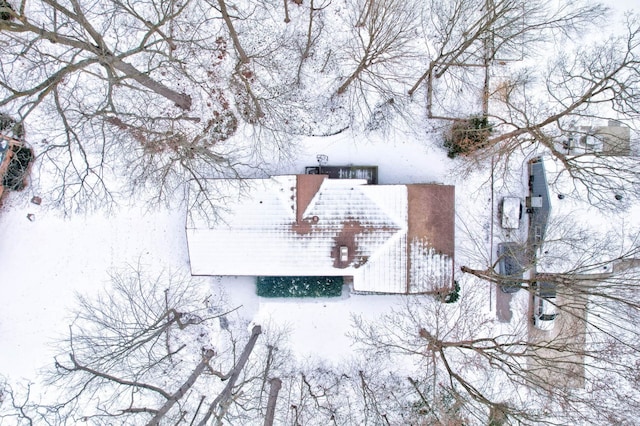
(511, 265)
(544, 308)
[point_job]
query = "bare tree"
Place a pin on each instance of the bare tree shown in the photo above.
(16, 407)
(232, 32)
(89, 50)
(247, 89)
(266, 79)
(467, 37)
(383, 32)
(593, 271)
(586, 90)
(100, 131)
(581, 110)
(313, 33)
(96, 81)
(514, 375)
(154, 350)
(354, 393)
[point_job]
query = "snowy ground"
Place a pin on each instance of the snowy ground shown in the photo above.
(42, 263)
(45, 261)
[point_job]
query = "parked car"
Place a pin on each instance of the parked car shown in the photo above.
(544, 313)
(511, 212)
(545, 310)
(511, 265)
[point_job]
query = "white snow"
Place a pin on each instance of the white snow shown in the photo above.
(44, 262)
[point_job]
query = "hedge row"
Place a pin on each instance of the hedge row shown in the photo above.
(299, 286)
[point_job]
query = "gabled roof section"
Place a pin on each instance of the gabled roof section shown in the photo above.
(307, 187)
(254, 203)
(431, 237)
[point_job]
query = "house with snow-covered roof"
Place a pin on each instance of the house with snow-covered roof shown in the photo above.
(388, 238)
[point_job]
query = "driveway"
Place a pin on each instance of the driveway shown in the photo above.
(503, 305)
(558, 357)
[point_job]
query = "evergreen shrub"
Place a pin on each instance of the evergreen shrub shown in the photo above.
(299, 286)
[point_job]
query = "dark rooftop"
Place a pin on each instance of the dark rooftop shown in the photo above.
(538, 203)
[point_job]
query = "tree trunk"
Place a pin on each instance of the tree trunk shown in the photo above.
(232, 32)
(286, 12)
(420, 80)
(182, 100)
(485, 274)
(200, 368)
(274, 389)
(235, 373)
(361, 67)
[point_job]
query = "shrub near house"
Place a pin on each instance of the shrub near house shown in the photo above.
(299, 286)
(467, 135)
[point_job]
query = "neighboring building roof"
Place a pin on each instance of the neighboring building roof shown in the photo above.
(579, 235)
(6, 143)
(539, 202)
(399, 238)
(613, 139)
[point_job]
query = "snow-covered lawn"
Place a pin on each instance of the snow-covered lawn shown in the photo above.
(44, 262)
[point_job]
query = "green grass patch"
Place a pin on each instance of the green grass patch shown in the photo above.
(299, 286)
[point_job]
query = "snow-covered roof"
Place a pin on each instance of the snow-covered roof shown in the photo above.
(399, 238)
(577, 229)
